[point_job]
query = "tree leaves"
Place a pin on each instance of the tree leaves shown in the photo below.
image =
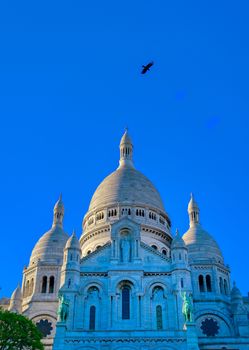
(17, 332)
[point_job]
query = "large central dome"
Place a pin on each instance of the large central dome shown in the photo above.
(128, 186)
(125, 193)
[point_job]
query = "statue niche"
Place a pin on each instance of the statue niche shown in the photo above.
(125, 247)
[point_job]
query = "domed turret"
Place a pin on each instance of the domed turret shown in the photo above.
(201, 245)
(50, 246)
(70, 273)
(179, 250)
(178, 242)
(73, 242)
(16, 300)
(236, 296)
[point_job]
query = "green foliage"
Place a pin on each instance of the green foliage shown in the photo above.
(18, 333)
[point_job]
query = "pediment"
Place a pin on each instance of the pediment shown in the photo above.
(98, 259)
(151, 256)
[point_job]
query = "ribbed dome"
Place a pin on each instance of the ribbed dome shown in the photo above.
(126, 185)
(201, 245)
(50, 246)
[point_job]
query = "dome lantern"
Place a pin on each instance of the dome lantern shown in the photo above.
(126, 151)
(193, 212)
(58, 212)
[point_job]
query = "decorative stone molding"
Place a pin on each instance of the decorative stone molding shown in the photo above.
(153, 340)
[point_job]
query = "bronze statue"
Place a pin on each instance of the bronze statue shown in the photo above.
(63, 309)
(187, 307)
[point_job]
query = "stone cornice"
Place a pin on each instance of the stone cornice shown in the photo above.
(82, 340)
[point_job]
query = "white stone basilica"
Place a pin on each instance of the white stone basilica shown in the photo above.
(124, 284)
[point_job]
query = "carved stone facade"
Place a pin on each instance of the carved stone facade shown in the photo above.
(123, 282)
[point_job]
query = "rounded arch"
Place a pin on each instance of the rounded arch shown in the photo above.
(154, 246)
(127, 279)
(43, 315)
(156, 282)
(84, 289)
(215, 313)
(123, 283)
(164, 251)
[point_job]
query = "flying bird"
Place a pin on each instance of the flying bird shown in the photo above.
(147, 67)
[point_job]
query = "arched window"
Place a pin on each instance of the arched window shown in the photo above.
(154, 247)
(89, 252)
(208, 283)
(221, 285)
(182, 283)
(51, 284)
(92, 318)
(44, 284)
(27, 289)
(126, 303)
(31, 286)
(159, 317)
(225, 287)
(164, 252)
(180, 256)
(201, 284)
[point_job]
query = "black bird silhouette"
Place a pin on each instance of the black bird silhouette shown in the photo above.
(147, 67)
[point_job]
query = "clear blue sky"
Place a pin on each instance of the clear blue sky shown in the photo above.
(70, 83)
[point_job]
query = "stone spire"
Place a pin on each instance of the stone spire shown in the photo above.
(126, 151)
(193, 211)
(58, 212)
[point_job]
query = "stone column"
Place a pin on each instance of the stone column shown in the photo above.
(192, 339)
(59, 336)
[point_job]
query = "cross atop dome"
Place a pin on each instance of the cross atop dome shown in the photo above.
(126, 151)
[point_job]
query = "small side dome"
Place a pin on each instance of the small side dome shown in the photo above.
(16, 300)
(51, 245)
(178, 242)
(201, 245)
(235, 292)
(73, 242)
(17, 294)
